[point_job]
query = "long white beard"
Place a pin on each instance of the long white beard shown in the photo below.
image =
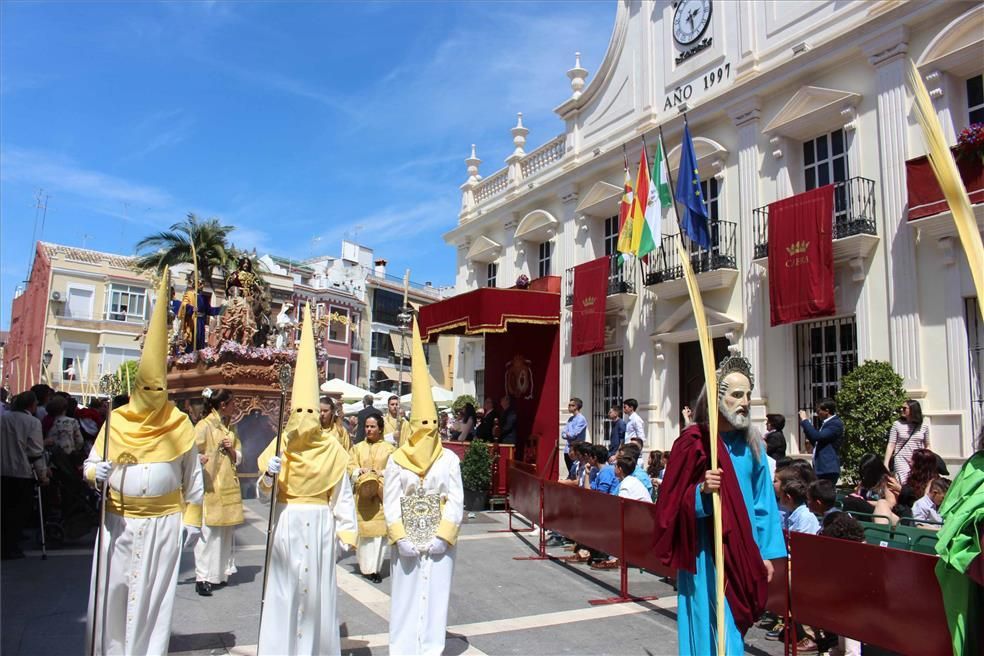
(738, 421)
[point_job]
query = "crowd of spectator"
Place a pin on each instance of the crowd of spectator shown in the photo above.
(45, 436)
(906, 486)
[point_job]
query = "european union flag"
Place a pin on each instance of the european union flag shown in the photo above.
(694, 222)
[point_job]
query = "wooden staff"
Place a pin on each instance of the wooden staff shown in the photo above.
(284, 378)
(107, 385)
(710, 382)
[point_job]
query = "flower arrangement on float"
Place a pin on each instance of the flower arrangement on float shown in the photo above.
(231, 351)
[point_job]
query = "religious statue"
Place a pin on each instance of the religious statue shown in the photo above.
(237, 323)
(285, 327)
(191, 316)
(242, 291)
(519, 378)
(244, 279)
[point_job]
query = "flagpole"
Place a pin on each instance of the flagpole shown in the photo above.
(710, 378)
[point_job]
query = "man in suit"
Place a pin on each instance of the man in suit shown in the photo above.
(507, 421)
(826, 441)
(368, 409)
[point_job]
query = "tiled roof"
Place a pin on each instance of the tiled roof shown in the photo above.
(89, 256)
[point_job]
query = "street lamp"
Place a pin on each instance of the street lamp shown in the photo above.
(404, 318)
(45, 361)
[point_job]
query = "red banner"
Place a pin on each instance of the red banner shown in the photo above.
(801, 256)
(590, 291)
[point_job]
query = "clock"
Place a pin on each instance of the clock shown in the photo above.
(690, 20)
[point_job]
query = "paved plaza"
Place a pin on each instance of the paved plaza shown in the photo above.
(498, 605)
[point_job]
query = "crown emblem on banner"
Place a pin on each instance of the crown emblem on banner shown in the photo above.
(797, 248)
(588, 301)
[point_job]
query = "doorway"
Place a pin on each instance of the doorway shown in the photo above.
(692, 371)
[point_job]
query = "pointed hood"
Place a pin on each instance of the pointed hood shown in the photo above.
(149, 391)
(305, 406)
(150, 428)
(424, 446)
(312, 463)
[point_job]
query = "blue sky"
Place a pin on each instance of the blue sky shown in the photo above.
(298, 123)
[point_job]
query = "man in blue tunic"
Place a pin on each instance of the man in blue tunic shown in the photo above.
(750, 518)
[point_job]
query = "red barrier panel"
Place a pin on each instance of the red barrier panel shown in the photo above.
(585, 516)
(882, 596)
(640, 534)
(778, 600)
(524, 493)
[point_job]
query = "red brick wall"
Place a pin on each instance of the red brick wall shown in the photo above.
(27, 318)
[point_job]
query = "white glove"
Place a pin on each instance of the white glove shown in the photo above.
(273, 467)
(103, 469)
(437, 547)
(192, 535)
(342, 548)
(407, 549)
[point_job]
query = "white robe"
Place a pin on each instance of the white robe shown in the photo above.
(215, 553)
(422, 586)
(215, 558)
(299, 613)
(141, 558)
(371, 553)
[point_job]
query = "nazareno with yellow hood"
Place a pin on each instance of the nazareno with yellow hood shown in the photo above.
(154, 479)
(422, 573)
(314, 517)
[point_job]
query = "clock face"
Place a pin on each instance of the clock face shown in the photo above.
(690, 20)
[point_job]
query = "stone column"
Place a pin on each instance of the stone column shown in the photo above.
(565, 255)
(887, 53)
(746, 119)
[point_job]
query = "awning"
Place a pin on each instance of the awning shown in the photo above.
(397, 340)
(489, 310)
(390, 373)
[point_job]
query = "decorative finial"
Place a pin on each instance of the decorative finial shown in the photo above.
(577, 76)
(519, 136)
(472, 163)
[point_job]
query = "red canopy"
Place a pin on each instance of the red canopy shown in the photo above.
(521, 329)
(489, 310)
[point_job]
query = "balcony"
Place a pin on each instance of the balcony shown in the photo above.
(855, 231)
(623, 285)
(111, 321)
(928, 209)
(716, 268)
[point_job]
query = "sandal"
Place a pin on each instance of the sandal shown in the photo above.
(606, 564)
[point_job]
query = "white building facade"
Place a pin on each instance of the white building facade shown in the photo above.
(781, 97)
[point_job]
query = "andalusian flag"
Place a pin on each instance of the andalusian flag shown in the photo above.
(624, 244)
(660, 196)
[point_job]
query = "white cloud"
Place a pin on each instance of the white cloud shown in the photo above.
(57, 174)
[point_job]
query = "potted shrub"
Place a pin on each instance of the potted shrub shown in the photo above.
(868, 402)
(476, 475)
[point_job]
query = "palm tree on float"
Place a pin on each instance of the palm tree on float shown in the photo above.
(173, 246)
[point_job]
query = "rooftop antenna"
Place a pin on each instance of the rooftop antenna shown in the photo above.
(40, 212)
(85, 239)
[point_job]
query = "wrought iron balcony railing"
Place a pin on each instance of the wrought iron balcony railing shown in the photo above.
(623, 278)
(664, 263)
(854, 213)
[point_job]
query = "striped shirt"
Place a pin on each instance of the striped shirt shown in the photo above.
(905, 442)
